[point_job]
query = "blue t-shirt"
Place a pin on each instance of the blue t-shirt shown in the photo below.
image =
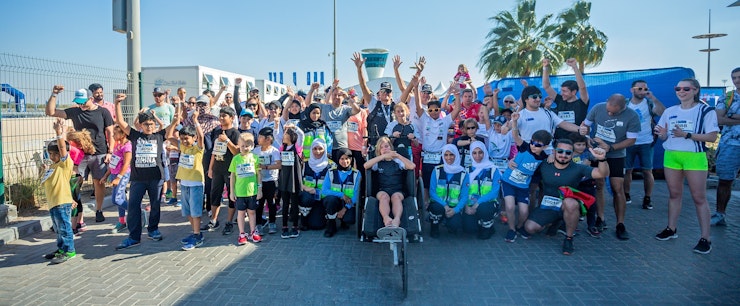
(527, 163)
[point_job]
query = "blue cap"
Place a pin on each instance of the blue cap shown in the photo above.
(499, 119)
(81, 96)
(247, 112)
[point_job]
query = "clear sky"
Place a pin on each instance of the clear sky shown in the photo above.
(256, 37)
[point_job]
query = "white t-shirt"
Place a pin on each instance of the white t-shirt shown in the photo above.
(434, 132)
(689, 120)
(268, 157)
(643, 112)
(499, 145)
(533, 121)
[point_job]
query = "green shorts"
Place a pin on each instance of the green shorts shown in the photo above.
(679, 160)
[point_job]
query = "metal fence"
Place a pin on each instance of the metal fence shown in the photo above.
(25, 127)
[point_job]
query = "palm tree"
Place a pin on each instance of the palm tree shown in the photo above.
(577, 38)
(518, 43)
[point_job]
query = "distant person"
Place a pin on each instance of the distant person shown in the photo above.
(97, 94)
(727, 161)
(568, 107)
(462, 76)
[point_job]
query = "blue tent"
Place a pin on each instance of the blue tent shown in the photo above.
(18, 97)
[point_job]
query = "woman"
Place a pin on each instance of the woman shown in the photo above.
(341, 192)
(313, 128)
(484, 179)
(685, 128)
(312, 211)
(448, 191)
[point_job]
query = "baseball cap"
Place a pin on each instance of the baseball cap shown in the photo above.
(247, 112)
(386, 85)
(426, 88)
(266, 131)
(255, 89)
(509, 98)
(301, 93)
(203, 99)
(81, 96)
(499, 119)
(274, 102)
(318, 96)
(158, 90)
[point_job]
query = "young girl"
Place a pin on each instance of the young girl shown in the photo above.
(462, 76)
(269, 166)
(341, 192)
(313, 127)
(80, 145)
(448, 191)
(289, 182)
(118, 175)
(470, 131)
(403, 131)
(389, 165)
(245, 181)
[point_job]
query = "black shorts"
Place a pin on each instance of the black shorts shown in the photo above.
(244, 203)
(391, 191)
(616, 166)
(545, 216)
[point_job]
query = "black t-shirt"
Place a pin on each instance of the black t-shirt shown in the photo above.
(402, 144)
(221, 162)
(553, 178)
(573, 112)
(464, 151)
(146, 150)
(94, 121)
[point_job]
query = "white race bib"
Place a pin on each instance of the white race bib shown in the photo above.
(47, 174)
(605, 133)
(685, 125)
(174, 154)
(146, 153)
(518, 177)
(292, 122)
(551, 203)
(431, 157)
(334, 125)
(501, 164)
(353, 127)
(245, 170)
(187, 161)
(569, 116)
(287, 158)
(114, 160)
(219, 148)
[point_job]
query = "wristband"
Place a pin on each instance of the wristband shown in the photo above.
(488, 96)
(58, 137)
(688, 136)
(54, 94)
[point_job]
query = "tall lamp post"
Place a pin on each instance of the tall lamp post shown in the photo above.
(334, 65)
(709, 48)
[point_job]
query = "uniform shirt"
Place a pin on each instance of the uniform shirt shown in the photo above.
(645, 136)
(730, 133)
(147, 155)
(690, 121)
(434, 132)
(190, 166)
(268, 157)
(56, 182)
(613, 129)
(533, 121)
(573, 112)
(244, 168)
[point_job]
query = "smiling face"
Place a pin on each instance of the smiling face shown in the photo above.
(449, 157)
(187, 140)
(684, 95)
(318, 152)
(315, 114)
(345, 161)
(477, 155)
(563, 153)
(639, 90)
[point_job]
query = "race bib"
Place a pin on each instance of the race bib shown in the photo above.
(114, 160)
(219, 148)
(569, 116)
(685, 125)
(174, 154)
(431, 157)
(266, 160)
(187, 161)
(47, 174)
(605, 133)
(501, 164)
(334, 125)
(292, 122)
(245, 170)
(518, 177)
(287, 158)
(146, 153)
(551, 203)
(353, 127)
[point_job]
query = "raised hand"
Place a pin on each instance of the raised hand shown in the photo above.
(120, 97)
(315, 86)
(545, 62)
(397, 62)
(358, 60)
(598, 153)
(421, 64)
(238, 81)
(571, 62)
(57, 89)
(487, 89)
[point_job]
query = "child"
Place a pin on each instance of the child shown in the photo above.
(469, 135)
(119, 166)
(80, 145)
(583, 156)
(173, 153)
(389, 165)
(462, 76)
(500, 144)
(403, 132)
(289, 182)
(269, 166)
(224, 140)
(245, 183)
(518, 175)
(341, 192)
(56, 185)
(191, 175)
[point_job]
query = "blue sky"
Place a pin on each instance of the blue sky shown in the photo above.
(256, 37)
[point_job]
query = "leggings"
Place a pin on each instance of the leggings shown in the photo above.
(290, 207)
(268, 195)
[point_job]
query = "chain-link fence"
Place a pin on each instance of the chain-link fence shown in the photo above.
(26, 86)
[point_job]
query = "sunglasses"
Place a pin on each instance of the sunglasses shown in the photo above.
(678, 88)
(641, 88)
(562, 151)
(537, 144)
(228, 97)
(433, 110)
(472, 127)
(535, 96)
(505, 101)
(252, 105)
(191, 103)
(158, 95)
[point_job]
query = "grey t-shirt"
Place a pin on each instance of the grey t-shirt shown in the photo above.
(613, 129)
(336, 120)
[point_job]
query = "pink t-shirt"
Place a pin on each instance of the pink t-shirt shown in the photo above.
(116, 159)
(110, 107)
(356, 128)
(76, 154)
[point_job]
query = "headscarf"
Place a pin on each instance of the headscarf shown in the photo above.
(455, 167)
(342, 152)
(307, 125)
(483, 164)
(318, 164)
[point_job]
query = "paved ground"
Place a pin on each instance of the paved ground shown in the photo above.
(447, 271)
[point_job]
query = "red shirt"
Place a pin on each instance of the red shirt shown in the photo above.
(465, 113)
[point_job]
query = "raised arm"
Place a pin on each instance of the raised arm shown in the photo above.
(198, 130)
(237, 100)
(492, 94)
(579, 79)
(546, 79)
(515, 129)
(456, 107)
(312, 91)
(399, 81)
(658, 107)
(366, 95)
(51, 105)
(414, 83)
(218, 96)
(171, 129)
(119, 114)
(61, 136)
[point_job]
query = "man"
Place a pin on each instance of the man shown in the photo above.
(182, 94)
(533, 118)
(727, 161)
(563, 173)
(163, 110)
(97, 95)
(380, 109)
(616, 128)
(336, 115)
(647, 107)
(568, 107)
(99, 122)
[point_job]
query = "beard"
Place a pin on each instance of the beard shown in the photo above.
(562, 163)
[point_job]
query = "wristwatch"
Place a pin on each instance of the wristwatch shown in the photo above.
(688, 136)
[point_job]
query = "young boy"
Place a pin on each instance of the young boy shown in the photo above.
(224, 140)
(269, 166)
(56, 185)
(245, 183)
(191, 175)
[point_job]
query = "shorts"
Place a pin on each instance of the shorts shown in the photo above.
(95, 165)
(192, 201)
(727, 162)
(244, 203)
(521, 195)
(391, 191)
(616, 167)
(679, 160)
(166, 170)
(173, 169)
(545, 216)
(426, 173)
(644, 152)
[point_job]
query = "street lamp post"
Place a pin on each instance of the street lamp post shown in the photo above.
(334, 65)
(709, 48)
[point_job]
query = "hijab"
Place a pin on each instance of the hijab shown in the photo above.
(318, 164)
(455, 167)
(307, 125)
(342, 152)
(483, 164)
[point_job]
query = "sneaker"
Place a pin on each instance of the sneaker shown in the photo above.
(168, 195)
(434, 232)
(294, 233)
(594, 232)
(228, 227)
(568, 246)
(99, 216)
(628, 198)
(646, 203)
(155, 235)
(211, 227)
(52, 254)
(272, 228)
(718, 219)
(667, 234)
(120, 227)
(703, 247)
(186, 240)
(172, 201)
(258, 230)
(127, 243)
(622, 232)
(600, 224)
(254, 237)
(62, 257)
(285, 234)
(523, 233)
(242, 240)
(81, 227)
(510, 236)
(193, 242)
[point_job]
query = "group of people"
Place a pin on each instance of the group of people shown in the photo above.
(305, 154)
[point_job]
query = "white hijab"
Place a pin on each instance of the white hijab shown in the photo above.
(455, 167)
(485, 163)
(318, 164)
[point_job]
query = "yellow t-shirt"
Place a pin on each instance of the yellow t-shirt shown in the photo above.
(56, 182)
(190, 165)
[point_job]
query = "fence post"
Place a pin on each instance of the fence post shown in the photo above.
(2, 176)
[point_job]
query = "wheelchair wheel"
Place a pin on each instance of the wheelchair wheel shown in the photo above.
(404, 267)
